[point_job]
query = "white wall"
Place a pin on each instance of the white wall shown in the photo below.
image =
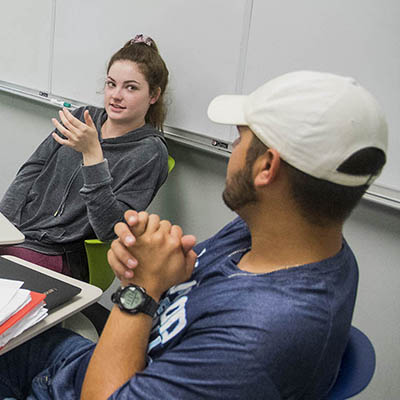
(374, 235)
(192, 198)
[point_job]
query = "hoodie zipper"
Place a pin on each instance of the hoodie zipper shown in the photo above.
(61, 207)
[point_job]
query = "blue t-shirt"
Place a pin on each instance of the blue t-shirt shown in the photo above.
(232, 334)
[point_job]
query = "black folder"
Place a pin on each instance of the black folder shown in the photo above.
(57, 291)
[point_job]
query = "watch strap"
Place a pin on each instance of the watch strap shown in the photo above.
(149, 306)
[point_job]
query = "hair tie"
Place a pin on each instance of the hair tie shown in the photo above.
(147, 40)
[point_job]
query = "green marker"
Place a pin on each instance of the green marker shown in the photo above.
(65, 104)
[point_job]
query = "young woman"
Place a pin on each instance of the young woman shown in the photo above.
(98, 163)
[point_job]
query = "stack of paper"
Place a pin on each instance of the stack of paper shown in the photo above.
(19, 309)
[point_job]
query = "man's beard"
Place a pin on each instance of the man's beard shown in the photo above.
(239, 190)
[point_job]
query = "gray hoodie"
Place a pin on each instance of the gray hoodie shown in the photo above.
(56, 201)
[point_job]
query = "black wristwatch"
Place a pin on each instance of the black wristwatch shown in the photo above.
(133, 299)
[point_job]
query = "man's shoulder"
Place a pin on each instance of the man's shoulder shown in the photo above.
(234, 231)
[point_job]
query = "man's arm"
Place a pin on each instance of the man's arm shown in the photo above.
(163, 262)
(119, 354)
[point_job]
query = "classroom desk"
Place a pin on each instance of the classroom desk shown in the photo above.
(9, 234)
(88, 295)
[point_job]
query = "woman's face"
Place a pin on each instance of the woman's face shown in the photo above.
(126, 95)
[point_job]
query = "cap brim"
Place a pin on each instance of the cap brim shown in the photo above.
(227, 109)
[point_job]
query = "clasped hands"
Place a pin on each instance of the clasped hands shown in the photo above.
(151, 253)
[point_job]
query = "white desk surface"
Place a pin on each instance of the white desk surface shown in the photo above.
(9, 234)
(88, 295)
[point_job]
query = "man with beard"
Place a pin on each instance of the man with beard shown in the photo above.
(262, 310)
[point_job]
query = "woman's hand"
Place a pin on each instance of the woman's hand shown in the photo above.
(82, 137)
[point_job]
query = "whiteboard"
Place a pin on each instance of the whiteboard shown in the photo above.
(359, 38)
(201, 43)
(211, 47)
(26, 33)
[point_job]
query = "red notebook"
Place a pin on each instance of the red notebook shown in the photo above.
(36, 298)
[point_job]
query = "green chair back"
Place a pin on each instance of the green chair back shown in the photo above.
(100, 273)
(171, 164)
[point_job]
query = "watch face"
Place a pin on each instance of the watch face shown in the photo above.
(131, 298)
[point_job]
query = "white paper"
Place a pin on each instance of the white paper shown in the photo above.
(13, 299)
(30, 319)
(19, 300)
(8, 288)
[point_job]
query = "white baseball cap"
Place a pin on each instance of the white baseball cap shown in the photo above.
(314, 120)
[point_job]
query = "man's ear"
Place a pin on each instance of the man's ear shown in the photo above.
(155, 96)
(267, 167)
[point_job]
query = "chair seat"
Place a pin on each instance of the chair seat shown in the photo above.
(79, 323)
(357, 367)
